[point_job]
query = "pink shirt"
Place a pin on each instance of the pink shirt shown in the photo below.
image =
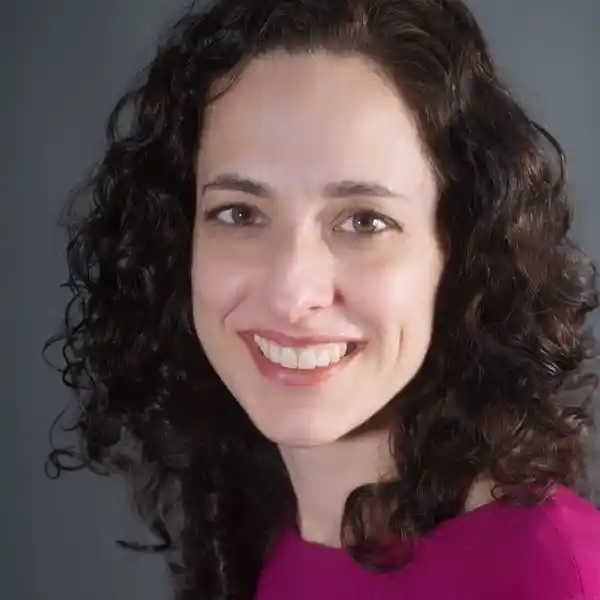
(495, 552)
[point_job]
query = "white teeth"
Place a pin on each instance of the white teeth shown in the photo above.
(287, 357)
(323, 357)
(308, 358)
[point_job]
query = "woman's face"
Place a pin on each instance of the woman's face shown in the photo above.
(314, 237)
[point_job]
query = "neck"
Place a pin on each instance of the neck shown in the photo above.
(324, 476)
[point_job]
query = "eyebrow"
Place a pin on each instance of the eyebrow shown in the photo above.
(338, 189)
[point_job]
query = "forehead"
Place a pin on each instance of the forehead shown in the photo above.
(311, 116)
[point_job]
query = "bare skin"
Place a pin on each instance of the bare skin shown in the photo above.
(332, 233)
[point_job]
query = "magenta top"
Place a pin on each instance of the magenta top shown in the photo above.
(495, 552)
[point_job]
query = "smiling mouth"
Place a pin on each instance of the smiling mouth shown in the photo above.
(307, 358)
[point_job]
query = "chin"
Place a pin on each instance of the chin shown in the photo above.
(302, 441)
(301, 435)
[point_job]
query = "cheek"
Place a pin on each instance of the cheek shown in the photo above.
(215, 281)
(401, 292)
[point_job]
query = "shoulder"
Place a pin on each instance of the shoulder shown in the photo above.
(550, 551)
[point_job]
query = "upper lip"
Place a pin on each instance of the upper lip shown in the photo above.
(292, 341)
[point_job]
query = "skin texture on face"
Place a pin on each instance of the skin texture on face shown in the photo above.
(312, 251)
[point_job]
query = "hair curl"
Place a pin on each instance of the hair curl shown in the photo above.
(502, 391)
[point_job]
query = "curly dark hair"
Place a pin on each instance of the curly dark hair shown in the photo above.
(502, 391)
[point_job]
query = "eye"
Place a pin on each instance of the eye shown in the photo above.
(234, 215)
(367, 222)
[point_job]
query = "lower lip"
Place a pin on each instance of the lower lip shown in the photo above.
(295, 377)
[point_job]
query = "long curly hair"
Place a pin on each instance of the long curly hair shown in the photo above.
(503, 390)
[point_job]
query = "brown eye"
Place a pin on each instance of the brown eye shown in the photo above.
(366, 223)
(235, 215)
(239, 215)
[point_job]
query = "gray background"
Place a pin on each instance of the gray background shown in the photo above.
(63, 65)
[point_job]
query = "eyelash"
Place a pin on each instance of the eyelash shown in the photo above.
(214, 214)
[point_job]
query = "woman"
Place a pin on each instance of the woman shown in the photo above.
(326, 315)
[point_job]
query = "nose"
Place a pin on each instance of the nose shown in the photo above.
(299, 278)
